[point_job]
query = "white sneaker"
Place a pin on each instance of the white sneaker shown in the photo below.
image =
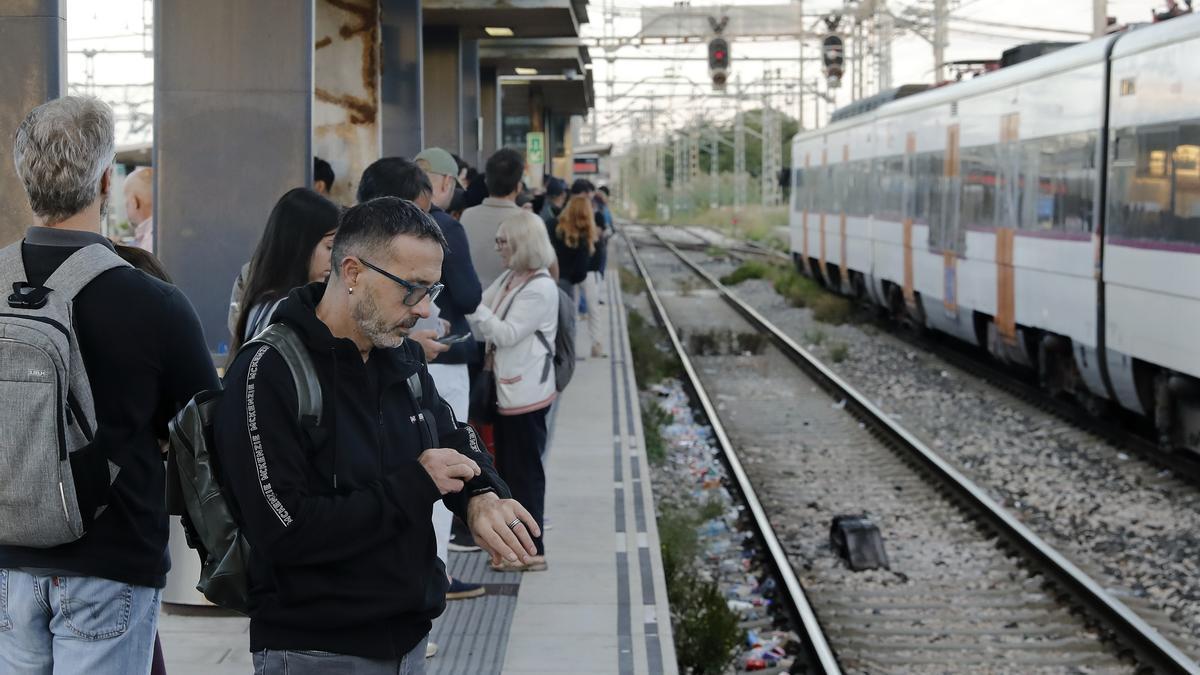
(430, 649)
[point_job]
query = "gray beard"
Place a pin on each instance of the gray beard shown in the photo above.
(366, 314)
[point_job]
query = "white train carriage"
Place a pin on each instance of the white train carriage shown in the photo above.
(976, 210)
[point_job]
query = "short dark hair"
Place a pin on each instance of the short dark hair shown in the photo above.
(504, 172)
(604, 189)
(582, 186)
(462, 164)
(322, 171)
(371, 225)
(393, 177)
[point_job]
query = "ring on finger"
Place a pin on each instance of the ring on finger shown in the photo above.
(513, 525)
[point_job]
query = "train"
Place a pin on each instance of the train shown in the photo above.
(1047, 212)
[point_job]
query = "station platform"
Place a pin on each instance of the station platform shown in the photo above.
(601, 607)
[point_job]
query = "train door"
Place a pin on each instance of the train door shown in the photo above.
(908, 213)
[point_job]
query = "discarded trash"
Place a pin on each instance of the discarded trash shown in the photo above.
(857, 540)
(693, 469)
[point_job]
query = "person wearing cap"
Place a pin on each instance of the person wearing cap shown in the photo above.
(462, 297)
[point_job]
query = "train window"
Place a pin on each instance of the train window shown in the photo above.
(1155, 184)
(978, 186)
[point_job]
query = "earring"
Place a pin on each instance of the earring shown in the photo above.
(350, 290)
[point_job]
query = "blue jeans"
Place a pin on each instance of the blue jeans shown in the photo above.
(276, 662)
(60, 624)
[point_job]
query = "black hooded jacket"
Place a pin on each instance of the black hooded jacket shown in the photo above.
(338, 518)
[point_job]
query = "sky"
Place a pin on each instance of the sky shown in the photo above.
(122, 71)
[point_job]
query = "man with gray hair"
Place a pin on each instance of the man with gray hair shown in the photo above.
(343, 575)
(91, 605)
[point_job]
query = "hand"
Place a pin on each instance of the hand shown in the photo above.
(488, 517)
(428, 341)
(445, 328)
(449, 469)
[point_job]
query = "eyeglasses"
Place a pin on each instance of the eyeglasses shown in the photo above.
(414, 293)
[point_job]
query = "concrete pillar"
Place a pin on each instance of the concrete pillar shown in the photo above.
(33, 70)
(233, 94)
(442, 72)
(471, 121)
(489, 104)
(346, 129)
(402, 92)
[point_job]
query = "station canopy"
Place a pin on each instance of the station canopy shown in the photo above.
(479, 19)
(733, 20)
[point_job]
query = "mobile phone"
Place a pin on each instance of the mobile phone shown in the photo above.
(453, 339)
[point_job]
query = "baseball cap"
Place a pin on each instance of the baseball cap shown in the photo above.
(555, 187)
(438, 161)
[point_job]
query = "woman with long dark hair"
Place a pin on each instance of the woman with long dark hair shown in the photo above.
(294, 251)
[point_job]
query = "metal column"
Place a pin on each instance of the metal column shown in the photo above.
(443, 88)
(401, 91)
(33, 35)
(489, 104)
(472, 123)
(233, 87)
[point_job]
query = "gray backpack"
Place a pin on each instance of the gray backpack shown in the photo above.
(46, 407)
(564, 343)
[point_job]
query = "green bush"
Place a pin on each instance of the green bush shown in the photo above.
(839, 352)
(832, 309)
(654, 418)
(651, 364)
(631, 282)
(706, 630)
(751, 269)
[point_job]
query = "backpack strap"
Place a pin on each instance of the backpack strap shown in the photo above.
(12, 264)
(81, 268)
(549, 354)
(284, 339)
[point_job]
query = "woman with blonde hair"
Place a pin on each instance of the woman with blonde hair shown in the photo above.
(575, 237)
(518, 319)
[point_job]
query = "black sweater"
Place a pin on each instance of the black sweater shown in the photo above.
(145, 357)
(572, 262)
(463, 291)
(350, 569)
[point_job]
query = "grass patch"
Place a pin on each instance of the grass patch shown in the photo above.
(654, 418)
(651, 364)
(631, 282)
(832, 309)
(839, 352)
(716, 252)
(799, 290)
(815, 336)
(751, 269)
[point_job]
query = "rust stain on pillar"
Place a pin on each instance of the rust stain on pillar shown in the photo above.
(346, 129)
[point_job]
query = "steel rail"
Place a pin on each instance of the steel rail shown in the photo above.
(820, 653)
(1152, 648)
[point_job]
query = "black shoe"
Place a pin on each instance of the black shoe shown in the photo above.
(462, 590)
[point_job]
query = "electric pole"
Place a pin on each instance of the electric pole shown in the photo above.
(941, 17)
(1099, 17)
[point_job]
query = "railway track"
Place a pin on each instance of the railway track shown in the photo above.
(970, 589)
